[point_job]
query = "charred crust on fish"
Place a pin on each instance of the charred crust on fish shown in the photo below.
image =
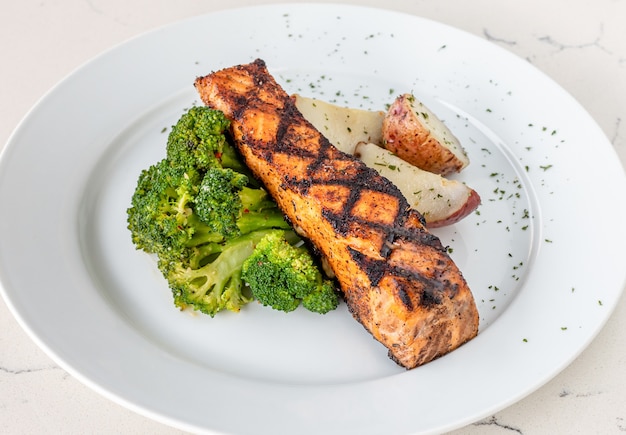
(397, 278)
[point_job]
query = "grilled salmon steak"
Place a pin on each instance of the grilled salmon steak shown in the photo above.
(397, 278)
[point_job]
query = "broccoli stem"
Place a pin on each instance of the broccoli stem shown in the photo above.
(209, 281)
(230, 159)
(202, 233)
(255, 199)
(270, 218)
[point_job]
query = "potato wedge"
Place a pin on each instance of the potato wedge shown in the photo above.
(344, 127)
(441, 201)
(415, 134)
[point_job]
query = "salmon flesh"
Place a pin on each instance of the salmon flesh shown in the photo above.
(397, 278)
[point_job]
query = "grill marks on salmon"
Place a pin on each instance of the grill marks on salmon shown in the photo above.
(398, 280)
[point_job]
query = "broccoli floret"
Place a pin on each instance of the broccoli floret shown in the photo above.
(231, 208)
(230, 159)
(196, 140)
(161, 219)
(323, 299)
(218, 202)
(216, 285)
(282, 276)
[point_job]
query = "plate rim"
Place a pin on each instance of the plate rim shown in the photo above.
(8, 149)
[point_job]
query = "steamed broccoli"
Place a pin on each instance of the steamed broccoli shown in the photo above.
(282, 276)
(197, 139)
(200, 219)
(161, 218)
(230, 207)
(216, 285)
(203, 215)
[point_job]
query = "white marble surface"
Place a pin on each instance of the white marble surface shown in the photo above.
(581, 44)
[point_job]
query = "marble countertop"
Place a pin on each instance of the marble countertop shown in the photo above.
(580, 44)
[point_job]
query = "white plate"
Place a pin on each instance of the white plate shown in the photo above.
(544, 255)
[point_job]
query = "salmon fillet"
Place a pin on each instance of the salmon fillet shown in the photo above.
(397, 279)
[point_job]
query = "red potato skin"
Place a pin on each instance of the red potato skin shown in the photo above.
(472, 203)
(405, 136)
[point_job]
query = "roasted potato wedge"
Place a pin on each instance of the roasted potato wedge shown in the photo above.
(415, 134)
(441, 201)
(344, 127)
